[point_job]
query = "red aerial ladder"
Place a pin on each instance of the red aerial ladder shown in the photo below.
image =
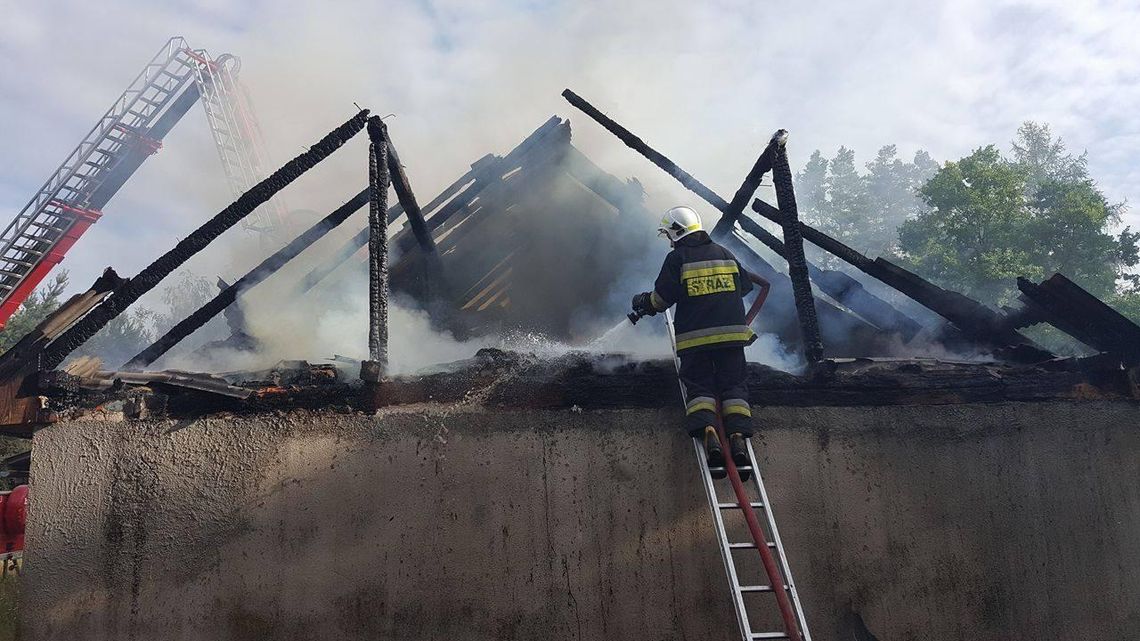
(73, 197)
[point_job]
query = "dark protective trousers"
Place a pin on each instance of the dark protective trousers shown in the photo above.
(712, 374)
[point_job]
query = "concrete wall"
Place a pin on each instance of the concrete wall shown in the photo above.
(981, 522)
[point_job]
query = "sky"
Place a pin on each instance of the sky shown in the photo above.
(704, 82)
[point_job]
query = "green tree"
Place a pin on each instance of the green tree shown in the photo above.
(864, 210)
(1127, 302)
(992, 218)
(34, 310)
(123, 337)
(892, 197)
(183, 296)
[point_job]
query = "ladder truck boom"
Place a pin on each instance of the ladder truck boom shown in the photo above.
(72, 199)
(132, 130)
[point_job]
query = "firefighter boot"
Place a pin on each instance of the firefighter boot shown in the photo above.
(715, 453)
(738, 448)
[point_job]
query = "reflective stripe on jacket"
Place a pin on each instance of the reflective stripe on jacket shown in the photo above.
(707, 283)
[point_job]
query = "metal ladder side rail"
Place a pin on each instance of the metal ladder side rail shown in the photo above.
(777, 542)
(791, 609)
(723, 542)
(239, 173)
(78, 167)
(779, 582)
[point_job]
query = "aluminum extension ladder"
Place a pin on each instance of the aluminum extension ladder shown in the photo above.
(775, 562)
(62, 210)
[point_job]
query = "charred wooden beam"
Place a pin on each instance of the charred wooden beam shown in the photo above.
(22, 409)
(651, 154)
(794, 246)
(25, 355)
(148, 278)
(1071, 309)
(378, 167)
(977, 322)
(404, 191)
(816, 237)
(255, 276)
(360, 239)
(747, 189)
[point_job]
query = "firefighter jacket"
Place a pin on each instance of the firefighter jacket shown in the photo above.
(707, 284)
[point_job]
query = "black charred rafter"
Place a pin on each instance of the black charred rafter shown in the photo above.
(1071, 309)
(379, 179)
(747, 188)
(794, 250)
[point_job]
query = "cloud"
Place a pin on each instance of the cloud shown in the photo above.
(706, 83)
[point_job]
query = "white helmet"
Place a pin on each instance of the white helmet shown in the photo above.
(679, 222)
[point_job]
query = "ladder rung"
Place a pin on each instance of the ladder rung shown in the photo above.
(748, 546)
(738, 469)
(755, 588)
(758, 588)
(46, 226)
(768, 635)
(730, 506)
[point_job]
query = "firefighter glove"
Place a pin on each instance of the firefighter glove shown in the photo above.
(643, 304)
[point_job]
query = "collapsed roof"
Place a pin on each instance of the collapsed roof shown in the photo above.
(542, 238)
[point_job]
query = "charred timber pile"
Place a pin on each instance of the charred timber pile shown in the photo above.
(575, 382)
(1071, 309)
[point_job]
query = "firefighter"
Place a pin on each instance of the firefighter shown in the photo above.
(707, 284)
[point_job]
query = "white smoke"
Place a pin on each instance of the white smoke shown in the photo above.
(706, 83)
